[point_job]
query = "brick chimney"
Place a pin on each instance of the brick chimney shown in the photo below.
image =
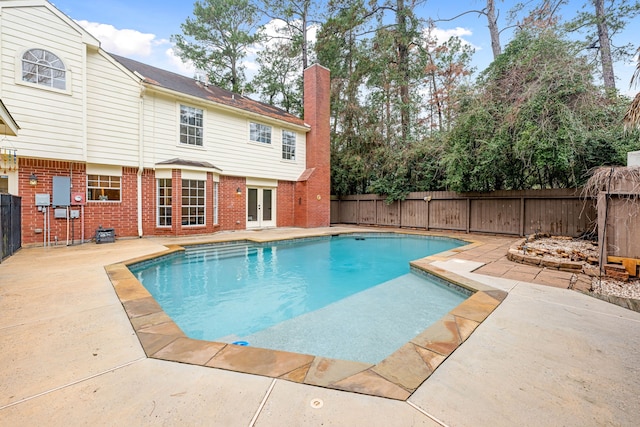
(313, 188)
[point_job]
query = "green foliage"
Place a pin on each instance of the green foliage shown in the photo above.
(404, 114)
(279, 79)
(536, 121)
(618, 13)
(216, 39)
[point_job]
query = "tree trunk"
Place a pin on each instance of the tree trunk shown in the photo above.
(305, 41)
(403, 67)
(493, 29)
(605, 46)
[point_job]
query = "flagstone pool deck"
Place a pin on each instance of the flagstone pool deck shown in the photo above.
(80, 343)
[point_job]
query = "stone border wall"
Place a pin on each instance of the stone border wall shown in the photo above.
(517, 254)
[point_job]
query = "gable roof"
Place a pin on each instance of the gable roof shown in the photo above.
(8, 125)
(175, 82)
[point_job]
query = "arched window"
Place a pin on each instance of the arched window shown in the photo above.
(44, 68)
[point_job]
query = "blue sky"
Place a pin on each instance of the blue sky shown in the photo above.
(141, 29)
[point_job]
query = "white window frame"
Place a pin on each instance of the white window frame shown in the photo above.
(260, 133)
(289, 143)
(46, 70)
(216, 196)
(164, 202)
(195, 211)
(191, 126)
(104, 182)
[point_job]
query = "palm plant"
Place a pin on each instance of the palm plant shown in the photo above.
(632, 117)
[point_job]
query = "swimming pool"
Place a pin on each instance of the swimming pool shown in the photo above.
(346, 297)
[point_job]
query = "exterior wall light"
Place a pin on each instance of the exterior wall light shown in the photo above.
(33, 180)
(238, 191)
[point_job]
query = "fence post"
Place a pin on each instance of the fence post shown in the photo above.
(375, 209)
(468, 215)
(521, 216)
(428, 216)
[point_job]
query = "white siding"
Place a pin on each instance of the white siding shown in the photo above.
(226, 141)
(51, 122)
(113, 99)
(97, 119)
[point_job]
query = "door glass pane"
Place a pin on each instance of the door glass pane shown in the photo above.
(252, 207)
(266, 205)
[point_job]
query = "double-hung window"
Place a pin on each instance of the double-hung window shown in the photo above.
(42, 67)
(164, 202)
(191, 126)
(288, 145)
(193, 197)
(260, 133)
(103, 188)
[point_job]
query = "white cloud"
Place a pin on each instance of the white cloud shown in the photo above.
(442, 35)
(186, 68)
(122, 42)
(276, 29)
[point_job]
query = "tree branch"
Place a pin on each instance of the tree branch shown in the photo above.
(479, 12)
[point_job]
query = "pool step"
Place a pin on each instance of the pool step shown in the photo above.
(220, 251)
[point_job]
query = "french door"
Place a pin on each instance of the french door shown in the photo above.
(261, 207)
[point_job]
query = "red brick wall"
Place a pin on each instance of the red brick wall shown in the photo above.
(286, 204)
(149, 202)
(315, 209)
(123, 215)
(119, 215)
(232, 207)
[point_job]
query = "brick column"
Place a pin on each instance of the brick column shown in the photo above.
(313, 189)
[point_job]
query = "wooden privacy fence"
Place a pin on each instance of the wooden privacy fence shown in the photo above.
(619, 220)
(557, 211)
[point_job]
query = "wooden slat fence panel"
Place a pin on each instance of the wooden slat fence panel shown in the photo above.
(495, 216)
(388, 214)
(559, 211)
(619, 214)
(367, 213)
(448, 214)
(414, 214)
(563, 217)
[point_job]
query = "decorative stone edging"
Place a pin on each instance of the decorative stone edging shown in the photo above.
(517, 254)
(396, 377)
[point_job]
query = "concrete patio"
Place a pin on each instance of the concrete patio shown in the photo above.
(547, 355)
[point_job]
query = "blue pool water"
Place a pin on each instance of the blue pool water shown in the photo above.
(319, 296)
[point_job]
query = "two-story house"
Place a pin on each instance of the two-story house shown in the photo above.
(93, 139)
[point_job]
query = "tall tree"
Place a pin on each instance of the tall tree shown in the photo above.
(602, 22)
(536, 121)
(605, 45)
(492, 23)
(489, 12)
(279, 78)
(216, 40)
(447, 70)
(298, 16)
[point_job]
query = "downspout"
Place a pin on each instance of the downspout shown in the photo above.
(140, 158)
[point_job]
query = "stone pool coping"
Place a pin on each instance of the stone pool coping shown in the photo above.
(396, 377)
